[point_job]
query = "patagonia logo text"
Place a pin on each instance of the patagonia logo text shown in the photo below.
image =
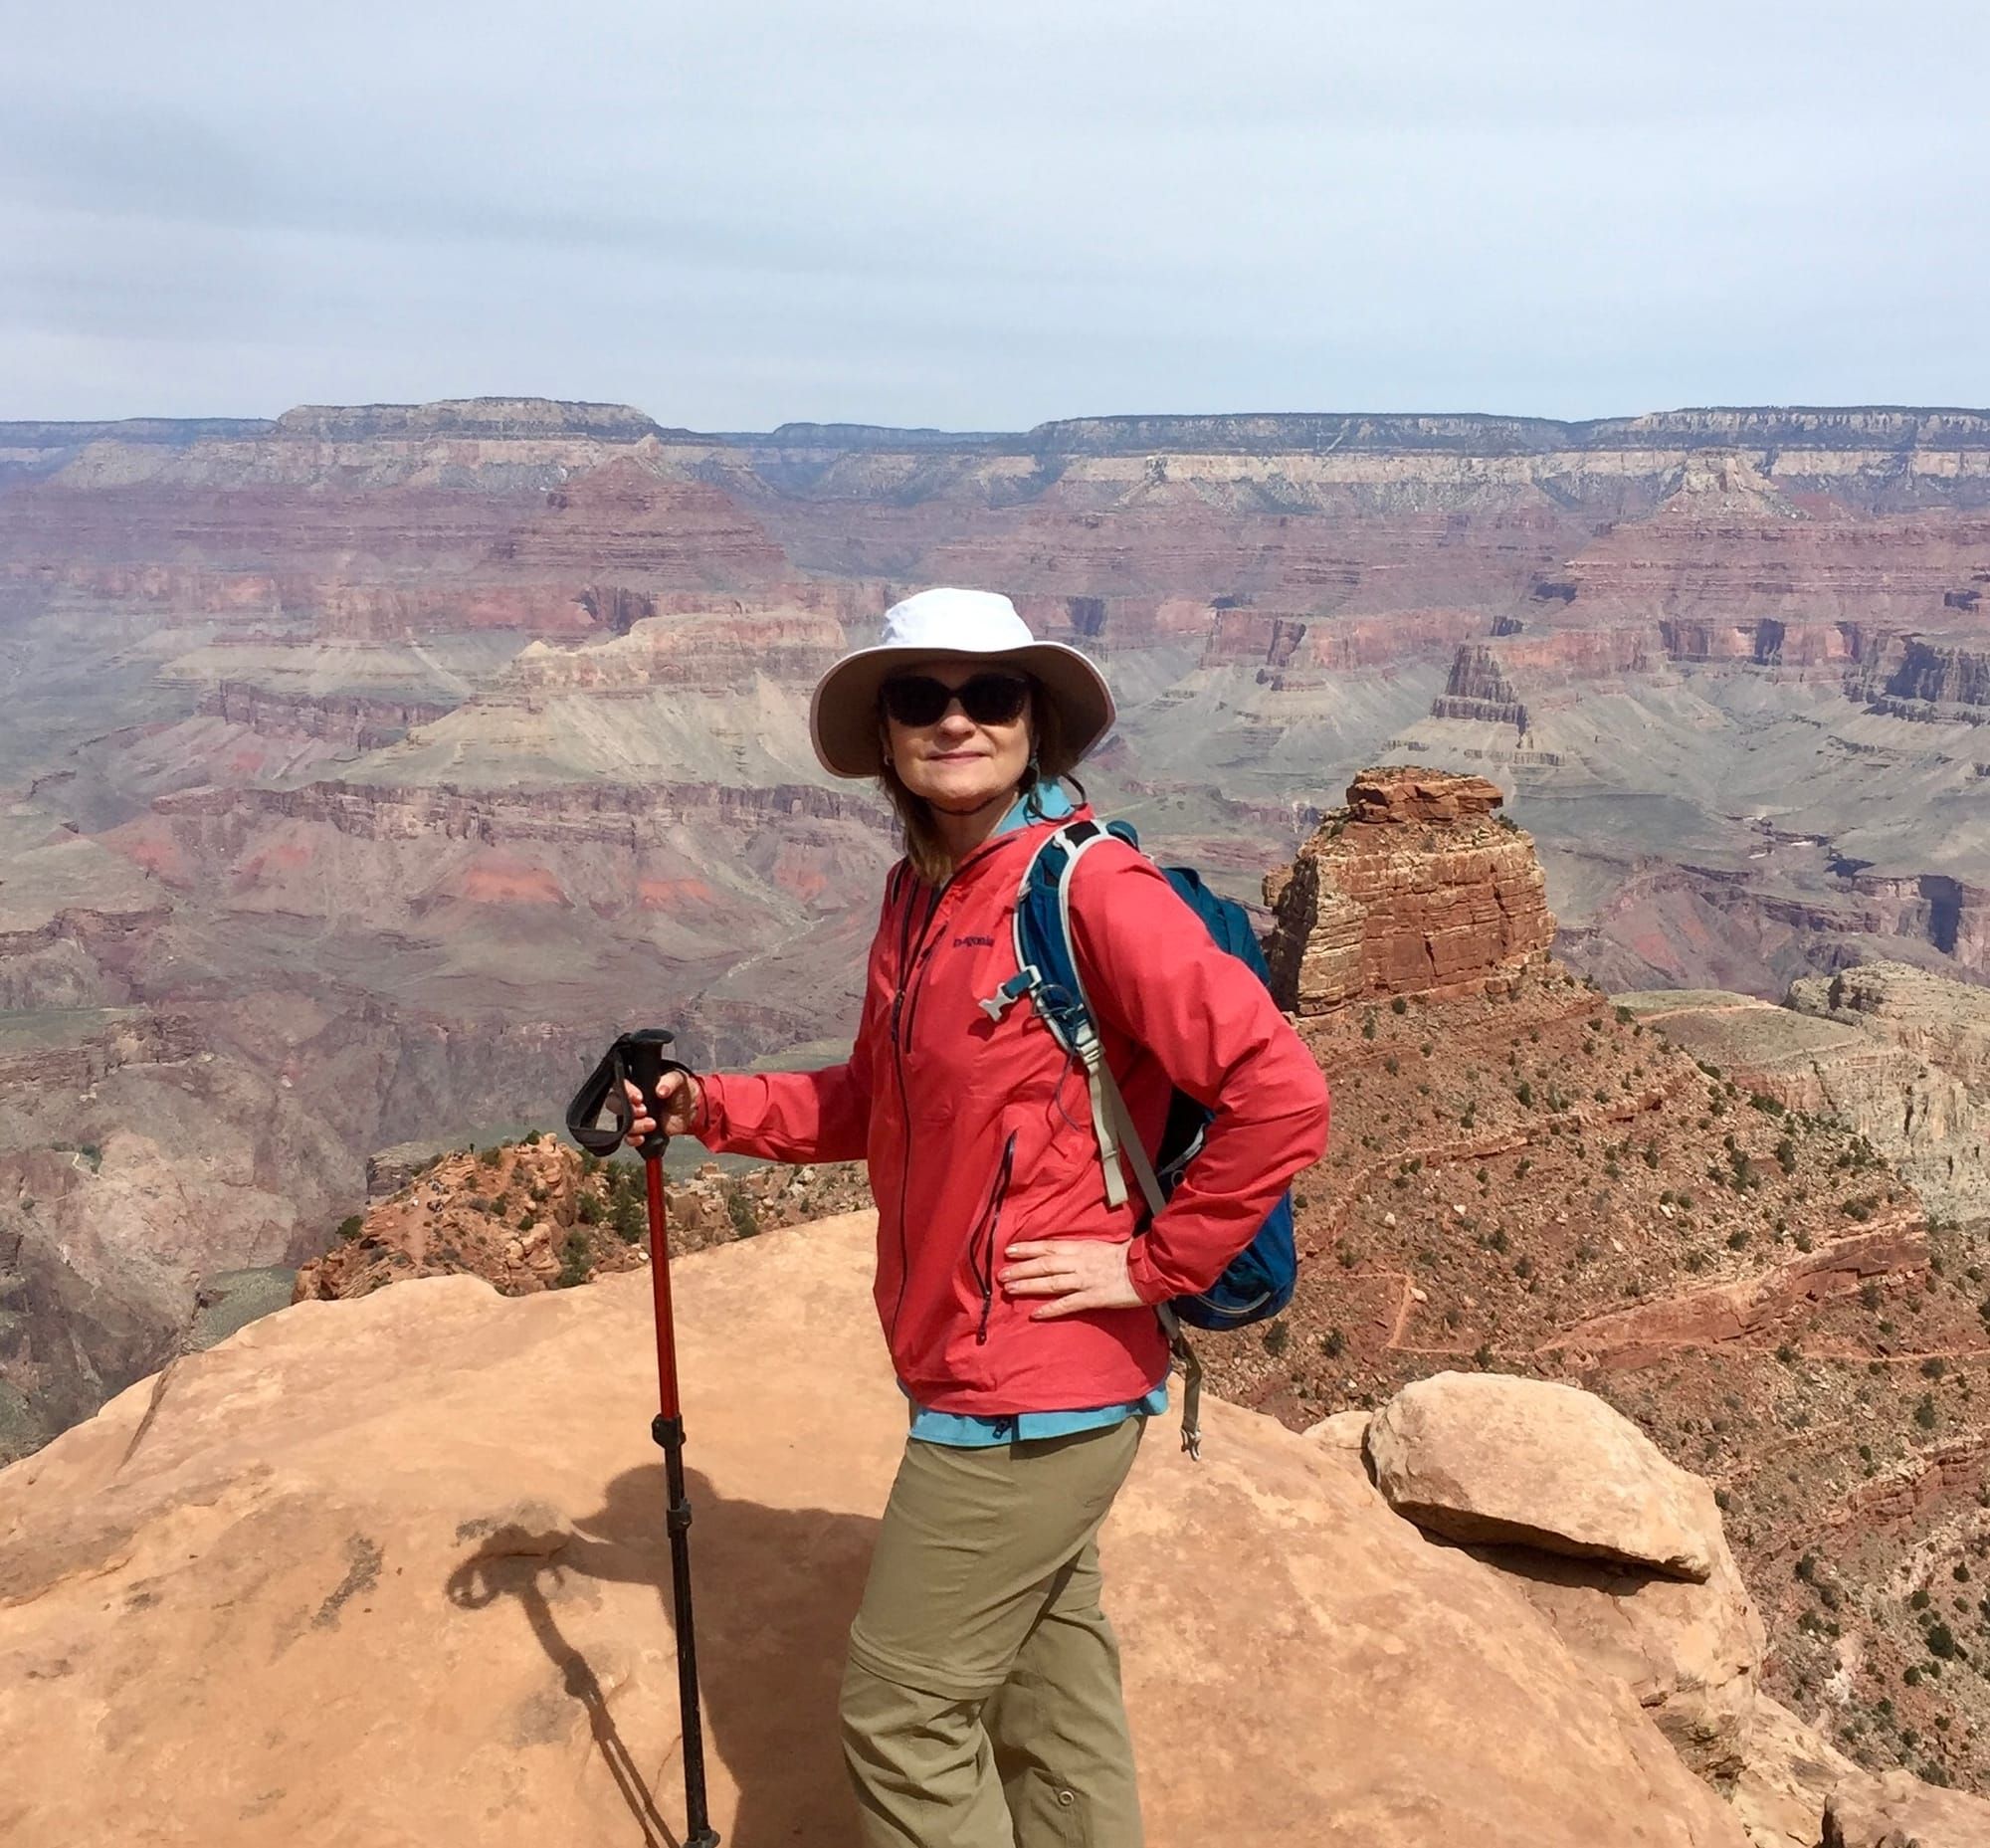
(974, 942)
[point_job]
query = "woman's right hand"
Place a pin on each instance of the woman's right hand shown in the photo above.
(678, 1099)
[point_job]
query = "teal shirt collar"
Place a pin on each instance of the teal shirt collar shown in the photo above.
(1051, 805)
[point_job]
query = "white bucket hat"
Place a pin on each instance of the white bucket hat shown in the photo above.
(959, 625)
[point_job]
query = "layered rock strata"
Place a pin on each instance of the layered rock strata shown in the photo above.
(1412, 888)
(355, 722)
(1901, 1054)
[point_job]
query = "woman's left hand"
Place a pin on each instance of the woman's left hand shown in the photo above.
(1080, 1273)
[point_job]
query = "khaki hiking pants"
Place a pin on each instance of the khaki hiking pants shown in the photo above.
(981, 1704)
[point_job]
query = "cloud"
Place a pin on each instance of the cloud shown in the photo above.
(889, 211)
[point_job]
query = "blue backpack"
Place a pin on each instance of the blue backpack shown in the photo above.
(1257, 1282)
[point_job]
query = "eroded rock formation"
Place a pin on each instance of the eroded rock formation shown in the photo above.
(1412, 888)
(1899, 1053)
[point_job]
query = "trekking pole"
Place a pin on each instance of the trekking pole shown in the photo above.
(640, 1057)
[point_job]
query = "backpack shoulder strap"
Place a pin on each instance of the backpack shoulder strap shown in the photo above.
(1047, 971)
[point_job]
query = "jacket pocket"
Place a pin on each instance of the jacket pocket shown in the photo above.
(987, 1229)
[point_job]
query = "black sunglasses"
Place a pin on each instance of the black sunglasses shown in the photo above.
(987, 699)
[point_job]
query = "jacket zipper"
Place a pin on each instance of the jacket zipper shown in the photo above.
(901, 1038)
(991, 1216)
(908, 979)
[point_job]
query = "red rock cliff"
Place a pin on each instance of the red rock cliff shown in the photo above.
(1414, 888)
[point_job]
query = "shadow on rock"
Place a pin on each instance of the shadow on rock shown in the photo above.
(774, 1592)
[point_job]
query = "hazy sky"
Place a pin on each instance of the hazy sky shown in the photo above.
(981, 216)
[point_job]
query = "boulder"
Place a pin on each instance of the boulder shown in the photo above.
(392, 1570)
(1340, 1430)
(1488, 1457)
(1897, 1810)
(1788, 1777)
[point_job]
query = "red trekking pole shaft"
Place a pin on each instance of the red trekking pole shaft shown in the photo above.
(660, 1288)
(668, 1430)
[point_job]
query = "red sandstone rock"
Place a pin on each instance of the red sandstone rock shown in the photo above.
(433, 1521)
(1411, 890)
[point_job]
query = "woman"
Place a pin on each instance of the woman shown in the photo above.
(982, 1700)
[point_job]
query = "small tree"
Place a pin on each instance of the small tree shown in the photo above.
(573, 1261)
(740, 1208)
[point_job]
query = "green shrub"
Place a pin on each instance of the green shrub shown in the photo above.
(350, 1226)
(1277, 1338)
(1924, 1413)
(740, 1208)
(573, 1261)
(1398, 1005)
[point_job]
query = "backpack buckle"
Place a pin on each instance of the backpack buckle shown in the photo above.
(1010, 992)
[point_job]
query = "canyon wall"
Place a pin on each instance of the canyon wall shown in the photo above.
(400, 751)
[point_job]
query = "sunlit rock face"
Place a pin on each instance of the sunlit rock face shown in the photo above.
(1412, 888)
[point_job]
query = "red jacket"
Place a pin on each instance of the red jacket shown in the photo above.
(978, 1131)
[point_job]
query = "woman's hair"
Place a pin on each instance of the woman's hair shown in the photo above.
(1050, 761)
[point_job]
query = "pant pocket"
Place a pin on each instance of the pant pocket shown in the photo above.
(1052, 1815)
